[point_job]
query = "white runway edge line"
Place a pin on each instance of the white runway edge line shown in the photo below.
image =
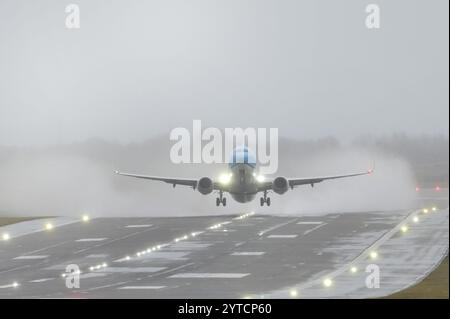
(361, 257)
(210, 275)
(36, 226)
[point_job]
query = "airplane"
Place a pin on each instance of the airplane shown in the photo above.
(242, 182)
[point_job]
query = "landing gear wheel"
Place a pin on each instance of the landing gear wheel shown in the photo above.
(224, 201)
(217, 201)
(268, 201)
(261, 201)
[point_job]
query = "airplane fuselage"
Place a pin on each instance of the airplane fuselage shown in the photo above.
(243, 185)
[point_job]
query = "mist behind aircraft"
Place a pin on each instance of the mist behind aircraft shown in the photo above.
(78, 178)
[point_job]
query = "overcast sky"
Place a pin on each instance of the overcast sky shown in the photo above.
(139, 68)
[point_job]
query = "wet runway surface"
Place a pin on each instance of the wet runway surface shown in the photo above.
(241, 256)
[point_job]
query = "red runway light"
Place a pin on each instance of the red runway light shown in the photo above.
(417, 189)
(437, 188)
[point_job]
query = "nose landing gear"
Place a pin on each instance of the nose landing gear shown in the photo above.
(264, 199)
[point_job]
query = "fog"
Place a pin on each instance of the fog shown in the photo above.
(78, 178)
(76, 104)
(134, 70)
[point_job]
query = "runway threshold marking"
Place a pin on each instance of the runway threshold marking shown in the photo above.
(210, 275)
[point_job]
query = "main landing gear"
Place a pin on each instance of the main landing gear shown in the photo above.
(264, 199)
(221, 200)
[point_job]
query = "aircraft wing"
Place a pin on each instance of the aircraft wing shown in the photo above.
(293, 182)
(174, 181)
(313, 180)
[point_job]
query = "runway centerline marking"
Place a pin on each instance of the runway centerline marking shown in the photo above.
(309, 223)
(276, 227)
(210, 275)
(41, 280)
(31, 257)
(248, 253)
(90, 239)
(139, 226)
(142, 287)
(282, 236)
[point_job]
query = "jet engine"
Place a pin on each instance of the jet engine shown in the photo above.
(205, 185)
(280, 185)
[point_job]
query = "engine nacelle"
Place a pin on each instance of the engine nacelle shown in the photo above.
(205, 185)
(280, 185)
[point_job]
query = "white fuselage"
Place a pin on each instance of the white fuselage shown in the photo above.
(243, 184)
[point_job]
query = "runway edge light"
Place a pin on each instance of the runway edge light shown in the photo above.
(327, 282)
(373, 254)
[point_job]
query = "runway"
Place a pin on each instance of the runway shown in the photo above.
(246, 255)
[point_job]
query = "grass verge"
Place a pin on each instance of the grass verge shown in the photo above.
(434, 286)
